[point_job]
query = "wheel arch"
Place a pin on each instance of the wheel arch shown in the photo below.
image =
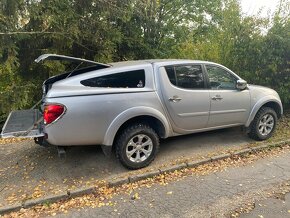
(275, 104)
(151, 116)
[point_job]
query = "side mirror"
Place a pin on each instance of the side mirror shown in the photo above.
(241, 84)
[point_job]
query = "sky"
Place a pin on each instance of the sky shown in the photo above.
(251, 7)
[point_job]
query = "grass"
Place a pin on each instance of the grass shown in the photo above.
(283, 129)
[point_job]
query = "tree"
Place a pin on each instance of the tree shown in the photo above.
(156, 26)
(113, 30)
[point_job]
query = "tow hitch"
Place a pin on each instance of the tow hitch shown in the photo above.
(61, 152)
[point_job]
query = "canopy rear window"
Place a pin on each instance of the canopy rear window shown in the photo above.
(128, 79)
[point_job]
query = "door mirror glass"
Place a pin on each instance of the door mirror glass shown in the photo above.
(241, 84)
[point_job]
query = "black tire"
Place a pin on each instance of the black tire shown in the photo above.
(254, 132)
(130, 133)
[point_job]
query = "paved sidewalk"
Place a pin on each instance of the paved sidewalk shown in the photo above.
(271, 208)
(213, 195)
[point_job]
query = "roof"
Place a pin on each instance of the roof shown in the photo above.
(159, 62)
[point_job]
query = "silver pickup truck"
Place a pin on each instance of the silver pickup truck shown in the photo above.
(129, 105)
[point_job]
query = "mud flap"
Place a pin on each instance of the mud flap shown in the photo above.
(107, 150)
(23, 124)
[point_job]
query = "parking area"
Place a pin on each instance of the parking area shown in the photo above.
(31, 171)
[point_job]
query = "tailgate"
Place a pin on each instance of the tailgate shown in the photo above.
(23, 124)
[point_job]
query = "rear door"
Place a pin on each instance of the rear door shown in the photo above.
(23, 124)
(185, 95)
(229, 105)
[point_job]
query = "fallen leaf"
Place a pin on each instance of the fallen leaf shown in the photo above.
(135, 196)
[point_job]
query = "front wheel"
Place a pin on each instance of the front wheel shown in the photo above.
(264, 124)
(137, 146)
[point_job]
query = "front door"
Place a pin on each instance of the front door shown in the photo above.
(185, 96)
(229, 106)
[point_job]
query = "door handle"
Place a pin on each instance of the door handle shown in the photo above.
(175, 98)
(217, 97)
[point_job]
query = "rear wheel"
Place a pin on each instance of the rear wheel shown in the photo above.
(264, 124)
(137, 146)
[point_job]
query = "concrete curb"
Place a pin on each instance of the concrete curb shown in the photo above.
(197, 163)
(131, 179)
(118, 182)
(220, 157)
(242, 152)
(81, 191)
(44, 200)
(143, 176)
(10, 208)
(173, 168)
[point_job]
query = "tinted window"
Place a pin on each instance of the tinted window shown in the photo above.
(220, 78)
(186, 76)
(130, 79)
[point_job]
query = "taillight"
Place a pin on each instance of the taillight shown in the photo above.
(52, 112)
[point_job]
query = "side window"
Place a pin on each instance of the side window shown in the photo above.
(220, 78)
(129, 79)
(186, 76)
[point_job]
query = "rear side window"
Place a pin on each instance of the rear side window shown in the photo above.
(186, 76)
(129, 79)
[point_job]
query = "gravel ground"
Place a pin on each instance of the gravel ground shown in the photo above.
(30, 171)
